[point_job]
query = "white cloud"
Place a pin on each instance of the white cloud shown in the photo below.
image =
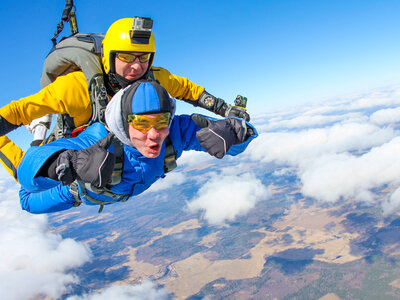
(392, 202)
(145, 291)
(172, 179)
(33, 261)
(386, 116)
(296, 147)
(195, 158)
(225, 197)
(332, 177)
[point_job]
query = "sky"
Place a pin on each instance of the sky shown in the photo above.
(277, 53)
(322, 79)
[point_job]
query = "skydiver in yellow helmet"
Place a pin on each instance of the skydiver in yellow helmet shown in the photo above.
(127, 56)
(120, 49)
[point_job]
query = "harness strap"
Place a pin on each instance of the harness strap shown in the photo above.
(79, 189)
(66, 17)
(99, 98)
(119, 161)
(170, 156)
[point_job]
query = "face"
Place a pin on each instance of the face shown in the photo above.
(148, 143)
(131, 71)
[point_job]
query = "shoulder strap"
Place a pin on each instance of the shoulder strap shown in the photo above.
(98, 98)
(170, 156)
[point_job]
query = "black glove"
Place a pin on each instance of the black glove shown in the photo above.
(220, 107)
(94, 164)
(217, 137)
(6, 127)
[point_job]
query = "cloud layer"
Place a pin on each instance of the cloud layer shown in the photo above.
(348, 149)
(33, 261)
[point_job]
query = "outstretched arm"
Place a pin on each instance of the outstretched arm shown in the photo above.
(67, 95)
(184, 89)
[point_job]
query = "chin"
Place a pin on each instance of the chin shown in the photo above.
(152, 154)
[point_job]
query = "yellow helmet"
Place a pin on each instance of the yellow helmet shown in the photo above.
(130, 35)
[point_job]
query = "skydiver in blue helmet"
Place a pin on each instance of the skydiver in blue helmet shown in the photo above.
(109, 164)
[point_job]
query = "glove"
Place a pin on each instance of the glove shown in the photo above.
(6, 127)
(236, 111)
(217, 137)
(94, 164)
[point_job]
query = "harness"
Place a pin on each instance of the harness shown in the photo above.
(80, 189)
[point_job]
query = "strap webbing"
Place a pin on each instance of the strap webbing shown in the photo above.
(66, 17)
(170, 156)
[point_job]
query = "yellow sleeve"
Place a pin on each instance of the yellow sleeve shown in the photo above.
(176, 86)
(10, 155)
(68, 94)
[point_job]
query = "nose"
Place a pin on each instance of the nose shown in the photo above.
(153, 133)
(135, 64)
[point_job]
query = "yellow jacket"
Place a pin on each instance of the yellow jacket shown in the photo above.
(69, 94)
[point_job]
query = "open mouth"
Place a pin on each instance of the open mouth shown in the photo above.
(154, 148)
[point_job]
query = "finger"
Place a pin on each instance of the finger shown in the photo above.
(201, 121)
(105, 143)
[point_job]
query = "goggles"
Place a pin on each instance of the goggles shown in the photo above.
(144, 123)
(130, 58)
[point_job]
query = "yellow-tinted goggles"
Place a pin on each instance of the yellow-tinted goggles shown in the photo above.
(130, 58)
(144, 123)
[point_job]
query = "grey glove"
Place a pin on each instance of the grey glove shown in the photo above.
(217, 137)
(235, 111)
(94, 164)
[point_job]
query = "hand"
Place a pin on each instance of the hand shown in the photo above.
(94, 164)
(217, 137)
(236, 111)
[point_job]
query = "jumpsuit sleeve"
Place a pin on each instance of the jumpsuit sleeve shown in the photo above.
(55, 199)
(68, 94)
(178, 87)
(41, 194)
(10, 155)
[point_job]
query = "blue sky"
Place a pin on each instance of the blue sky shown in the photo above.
(277, 53)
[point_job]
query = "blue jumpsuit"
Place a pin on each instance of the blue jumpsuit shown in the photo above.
(45, 195)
